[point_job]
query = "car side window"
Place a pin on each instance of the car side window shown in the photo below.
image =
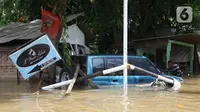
(110, 62)
(97, 64)
(116, 61)
(119, 61)
(113, 62)
(100, 64)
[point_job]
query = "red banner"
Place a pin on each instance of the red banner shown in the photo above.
(50, 24)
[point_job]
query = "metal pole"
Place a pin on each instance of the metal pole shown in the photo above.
(168, 80)
(53, 86)
(104, 72)
(125, 38)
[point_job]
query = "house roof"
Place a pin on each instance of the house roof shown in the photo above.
(25, 31)
(161, 41)
(190, 37)
(20, 31)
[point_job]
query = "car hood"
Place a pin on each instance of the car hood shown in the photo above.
(180, 79)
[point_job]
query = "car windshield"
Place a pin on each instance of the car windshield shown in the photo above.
(100, 64)
(143, 63)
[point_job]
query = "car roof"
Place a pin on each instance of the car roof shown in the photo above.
(113, 55)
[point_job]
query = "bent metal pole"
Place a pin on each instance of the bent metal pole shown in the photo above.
(132, 67)
(104, 72)
(176, 85)
(125, 46)
(121, 67)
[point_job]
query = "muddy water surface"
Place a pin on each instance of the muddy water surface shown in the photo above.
(24, 98)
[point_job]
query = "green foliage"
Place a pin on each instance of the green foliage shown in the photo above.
(105, 17)
(64, 51)
(145, 16)
(12, 10)
(9, 12)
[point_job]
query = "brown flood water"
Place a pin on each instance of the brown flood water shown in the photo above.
(23, 98)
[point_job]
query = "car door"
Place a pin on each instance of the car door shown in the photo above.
(110, 62)
(98, 64)
(117, 77)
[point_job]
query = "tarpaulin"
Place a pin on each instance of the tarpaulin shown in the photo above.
(180, 53)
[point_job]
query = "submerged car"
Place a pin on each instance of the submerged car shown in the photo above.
(97, 63)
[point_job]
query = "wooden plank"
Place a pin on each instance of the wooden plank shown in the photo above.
(90, 82)
(181, 43)
(73, 80)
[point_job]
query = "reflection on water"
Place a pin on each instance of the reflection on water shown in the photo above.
(125, 103)
(24, 98)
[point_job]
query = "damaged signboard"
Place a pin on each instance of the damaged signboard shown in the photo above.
(35, 56)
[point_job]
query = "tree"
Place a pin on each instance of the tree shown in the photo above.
(145, 16)
(105, 17)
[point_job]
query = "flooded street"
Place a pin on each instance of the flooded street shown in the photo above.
(24, 98)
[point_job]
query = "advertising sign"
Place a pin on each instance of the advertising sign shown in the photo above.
(35, 57)
(50, 24)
